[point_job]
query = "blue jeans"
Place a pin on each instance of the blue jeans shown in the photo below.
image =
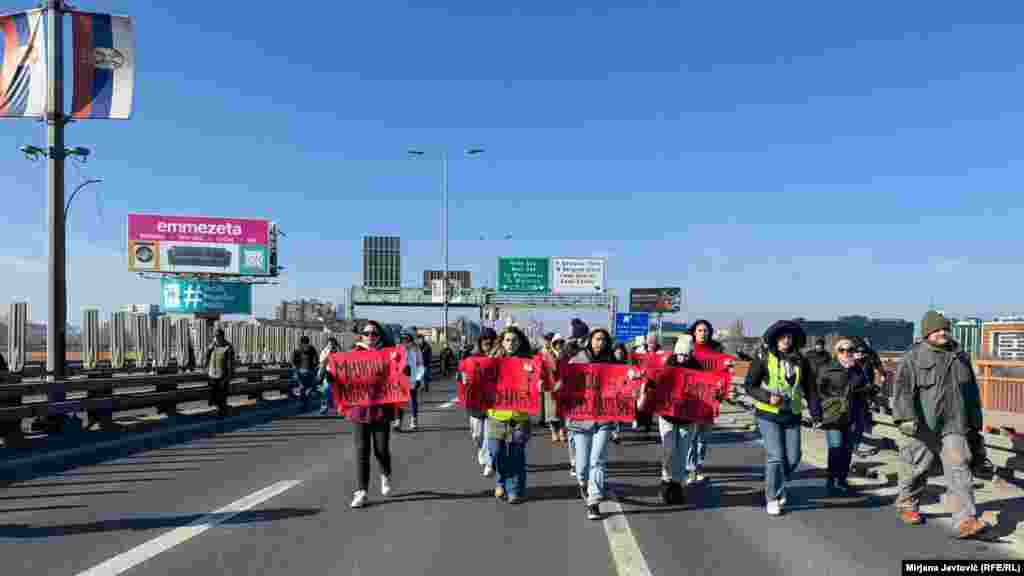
(782, 450)
(675, 448)
(697, 447)
(325, 395)
(840, 453)
(592, 459)
(306, 380)
(414, 402)
(508, 452)
(478, 429)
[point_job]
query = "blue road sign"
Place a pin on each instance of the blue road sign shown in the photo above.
(202, 297)
(629, 326)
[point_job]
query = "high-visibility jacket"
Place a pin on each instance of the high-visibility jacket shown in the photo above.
(778, 384)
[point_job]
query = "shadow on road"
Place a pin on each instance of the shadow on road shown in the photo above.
(84, 483)
(42, 508)
(65, 495)
(27, 531)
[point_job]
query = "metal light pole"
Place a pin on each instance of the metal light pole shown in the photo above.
(444, 228)
(67, 207)
(56, 325)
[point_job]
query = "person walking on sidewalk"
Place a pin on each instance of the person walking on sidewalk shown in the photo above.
(323, 376)
(305, 360)
(220, 369)
(371, 427)
(508, 431)
(936, 404)
(778, 381)
(414, 360)
(591, 437)
(838, 383)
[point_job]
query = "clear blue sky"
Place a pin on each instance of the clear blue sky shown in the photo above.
(777, 159)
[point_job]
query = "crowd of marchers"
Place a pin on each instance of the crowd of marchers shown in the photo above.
(935, 403)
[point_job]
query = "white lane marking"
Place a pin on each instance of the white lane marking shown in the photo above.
(168, 540)
(629, 560)
(450, 403)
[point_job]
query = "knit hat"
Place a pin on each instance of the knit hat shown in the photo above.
(933, 322)
(684, 344)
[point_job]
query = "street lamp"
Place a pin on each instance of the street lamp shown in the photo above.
(75, 193)
(468, 152)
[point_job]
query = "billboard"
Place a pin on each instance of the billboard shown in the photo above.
(657, 300)
(577, 275)
(199, 245)
(178, 296)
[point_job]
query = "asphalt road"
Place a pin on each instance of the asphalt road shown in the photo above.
(274, 499)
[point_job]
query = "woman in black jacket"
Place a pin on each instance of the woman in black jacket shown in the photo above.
(779, 380)
(838, 384)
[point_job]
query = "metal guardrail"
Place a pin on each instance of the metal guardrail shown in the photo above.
(107, 392)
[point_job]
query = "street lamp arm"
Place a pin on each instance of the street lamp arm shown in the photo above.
(67, 207)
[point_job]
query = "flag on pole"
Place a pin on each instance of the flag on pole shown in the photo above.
(104, 52)
(22, 65)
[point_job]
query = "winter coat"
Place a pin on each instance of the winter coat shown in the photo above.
(305, 357)
(835, 381)
(759, 375)
(937, 388)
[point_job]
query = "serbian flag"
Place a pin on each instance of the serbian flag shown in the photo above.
(22, 65)
(104, 66)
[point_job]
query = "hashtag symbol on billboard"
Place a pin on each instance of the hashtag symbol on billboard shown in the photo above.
(192, 297)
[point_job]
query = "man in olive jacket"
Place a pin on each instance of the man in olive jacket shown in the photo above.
(936, 404)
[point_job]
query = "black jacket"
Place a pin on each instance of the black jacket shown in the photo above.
(305, 357)
(834, 381)
(758, 373)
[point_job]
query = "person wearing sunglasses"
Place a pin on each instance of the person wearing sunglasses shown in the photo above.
(837, 384)
(371, 426)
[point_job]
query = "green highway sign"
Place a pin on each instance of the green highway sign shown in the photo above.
(524, 275)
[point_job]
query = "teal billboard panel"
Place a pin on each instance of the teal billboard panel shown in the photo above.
(178, 296)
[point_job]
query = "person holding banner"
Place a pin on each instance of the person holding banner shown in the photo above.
(372, 426)
(701, 332)
(478, 419)
(676, 433)
(509, 431)
(590, 438)
(838, 383)
(779, 380)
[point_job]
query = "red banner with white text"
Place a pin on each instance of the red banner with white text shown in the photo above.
(501, 384)
(599, 392)
(366, 378)
(719, 363)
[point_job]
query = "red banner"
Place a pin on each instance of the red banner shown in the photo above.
(688, 394)
(549, 374)
(599, 392)
(501, 384)
(366, 378)
(653, 364)
(717, 362)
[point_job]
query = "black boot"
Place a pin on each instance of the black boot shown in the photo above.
(666, 492)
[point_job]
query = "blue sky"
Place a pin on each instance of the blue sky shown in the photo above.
(776, 159)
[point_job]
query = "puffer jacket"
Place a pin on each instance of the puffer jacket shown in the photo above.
(835, 381)
(937, 387)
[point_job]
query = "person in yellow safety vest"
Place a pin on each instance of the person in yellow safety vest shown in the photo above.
(779, 381)
(508, 431)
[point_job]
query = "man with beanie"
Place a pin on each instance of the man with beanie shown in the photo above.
(936, 404)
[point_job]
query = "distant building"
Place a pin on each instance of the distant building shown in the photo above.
(968, 333)
(883, 334)
(305, 311)
(1003, 338)
(382, 262)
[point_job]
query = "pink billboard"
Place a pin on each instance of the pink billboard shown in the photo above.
(198, 245)
(197, 229)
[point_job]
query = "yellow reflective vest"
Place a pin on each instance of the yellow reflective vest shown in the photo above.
(777, 384)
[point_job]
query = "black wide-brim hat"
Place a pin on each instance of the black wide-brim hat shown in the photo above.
(775, 331)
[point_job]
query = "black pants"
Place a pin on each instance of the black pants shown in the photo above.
(379, 433)
(219, 393)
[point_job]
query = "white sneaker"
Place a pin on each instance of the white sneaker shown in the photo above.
(359, 499)
(396, 425)
(412, 424)
(385, 485)
(782, 500)
(488, 471)
(774, 507)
